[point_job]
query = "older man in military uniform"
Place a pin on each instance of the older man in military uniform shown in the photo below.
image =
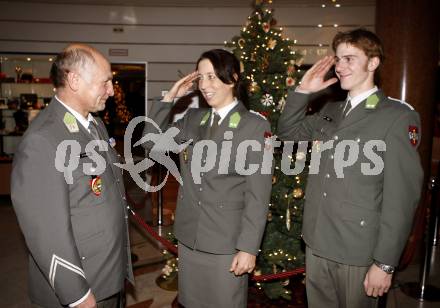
(358, 212)
(74, 220)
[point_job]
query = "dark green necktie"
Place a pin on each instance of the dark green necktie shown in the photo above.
(346, 108)
(94, 130)
(214, 124)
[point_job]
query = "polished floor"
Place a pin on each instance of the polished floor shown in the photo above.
(149, 263)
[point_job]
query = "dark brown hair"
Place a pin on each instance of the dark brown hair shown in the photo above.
(227, 69)
(362, 39)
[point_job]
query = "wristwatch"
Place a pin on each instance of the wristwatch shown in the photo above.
(386, 268)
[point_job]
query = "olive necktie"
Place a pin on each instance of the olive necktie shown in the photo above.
(94, 130)
(214, 125)
(346, 108)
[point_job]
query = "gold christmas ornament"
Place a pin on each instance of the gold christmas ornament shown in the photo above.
(241, 42)
(254, 87)
(274, 179)
(269, 216)
(272, 43)
(298, 193)
(281, 104)
(241, 67)
(265, 62)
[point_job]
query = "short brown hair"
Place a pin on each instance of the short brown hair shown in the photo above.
(362, 39)
(75, 56)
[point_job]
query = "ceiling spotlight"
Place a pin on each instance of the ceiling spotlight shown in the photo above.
(335, 25)
(337, 5)
(323, 5)
(29, 59)
(50, 59)
(320, 26)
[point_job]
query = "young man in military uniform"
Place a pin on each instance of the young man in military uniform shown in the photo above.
(358, 212)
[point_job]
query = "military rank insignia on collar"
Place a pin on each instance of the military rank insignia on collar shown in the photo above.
(70, 122)
(413, 134)
(234, 120)
(96, 185)
(372, 101)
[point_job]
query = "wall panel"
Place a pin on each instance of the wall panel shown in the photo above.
(167, 38)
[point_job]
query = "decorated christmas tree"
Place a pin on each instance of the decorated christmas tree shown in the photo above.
(270, 67)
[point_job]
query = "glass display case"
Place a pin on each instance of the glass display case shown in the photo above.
(25, 89)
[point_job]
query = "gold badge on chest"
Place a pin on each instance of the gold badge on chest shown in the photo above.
(96, 185)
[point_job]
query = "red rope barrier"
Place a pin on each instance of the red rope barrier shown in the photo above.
(281, 275)
(167, 244)
(173, 249)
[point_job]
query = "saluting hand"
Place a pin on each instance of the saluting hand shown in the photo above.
(243, 262)
(180, 87)
(313, 79)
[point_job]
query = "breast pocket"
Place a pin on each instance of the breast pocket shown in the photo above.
(89, 234)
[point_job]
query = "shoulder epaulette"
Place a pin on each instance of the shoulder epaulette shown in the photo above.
(402, 102)
(257, 113)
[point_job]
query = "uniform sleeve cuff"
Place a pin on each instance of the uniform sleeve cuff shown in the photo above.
(298, 90)
(80, 300)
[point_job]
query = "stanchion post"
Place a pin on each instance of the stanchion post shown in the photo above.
(159, 197)
(436, 213)
(422, 290)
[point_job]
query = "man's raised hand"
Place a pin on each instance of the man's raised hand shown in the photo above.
(313, 79)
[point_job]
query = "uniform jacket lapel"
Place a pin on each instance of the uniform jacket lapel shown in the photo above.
(360, 112)
(60, 111)
(224, 125)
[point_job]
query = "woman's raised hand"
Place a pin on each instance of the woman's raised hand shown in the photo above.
(180, 87)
